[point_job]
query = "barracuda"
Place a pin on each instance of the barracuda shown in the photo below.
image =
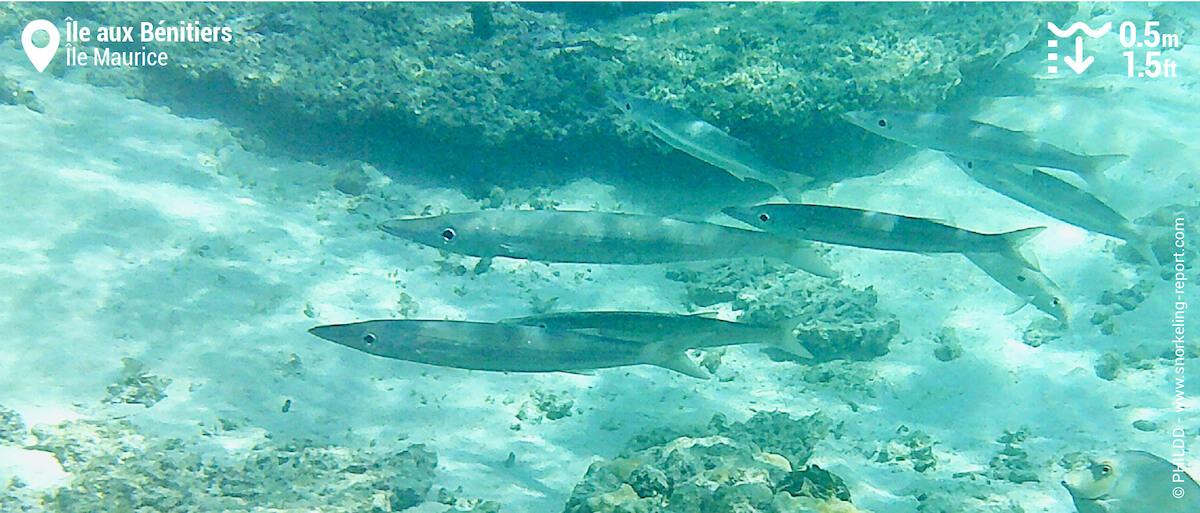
(1031, 286)
(972, 139)
(702, 140)
(1056, 198)
(502, 347)
(598, 238)
(877, 230)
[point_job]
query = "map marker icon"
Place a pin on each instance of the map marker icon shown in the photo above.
(40, 57)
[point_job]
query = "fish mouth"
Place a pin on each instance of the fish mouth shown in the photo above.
(336, 333)
(321, 331)
(395, 227)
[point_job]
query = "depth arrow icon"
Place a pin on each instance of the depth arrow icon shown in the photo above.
(1079, 64)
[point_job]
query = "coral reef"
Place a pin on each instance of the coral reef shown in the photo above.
(1012, 462)
(510, 85)
(1042, 331)
(833, 321)
(1115, 303)
(545, 405)
(12, 93)
(948, 346)
(752, 466)
(137, 386)
(12, 430)
(117, 467)
(1109, 366)
(910, 447)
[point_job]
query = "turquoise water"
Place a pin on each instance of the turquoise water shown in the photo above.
(171, 233)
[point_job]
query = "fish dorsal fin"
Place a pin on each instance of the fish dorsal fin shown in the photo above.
(1016, 307)
(705, 314)
(679, 362)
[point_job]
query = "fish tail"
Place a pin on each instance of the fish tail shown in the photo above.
(787, 341)
(1139, 239)
(1018, 238)
(792, 185)
(1146, 250)
(1098, 163)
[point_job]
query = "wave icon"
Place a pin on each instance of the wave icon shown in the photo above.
(1076, 27)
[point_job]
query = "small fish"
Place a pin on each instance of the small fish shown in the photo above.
(598, 238)
(1133, 482)
(972, 139)
(702, 140)
(876, 230)
(1031, 286)
(686, 331)
(502, 347)
(1056, 198)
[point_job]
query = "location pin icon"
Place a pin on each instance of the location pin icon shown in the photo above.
(40, 57)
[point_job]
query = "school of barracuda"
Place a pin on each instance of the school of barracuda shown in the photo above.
(1010, 162)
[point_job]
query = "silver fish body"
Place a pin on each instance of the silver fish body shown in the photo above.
(1031, 286)
(684, 331)
(1056, 198)
(1132, 482)
(972, 139)
(699, 139)
(875, 230)
(499, 347)
(597, 238)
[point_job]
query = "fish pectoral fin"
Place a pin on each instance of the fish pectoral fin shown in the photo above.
(805, 258)
(482, 266)
(704, 314)
(679, 362)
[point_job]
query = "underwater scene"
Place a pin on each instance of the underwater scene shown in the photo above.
(599, 257)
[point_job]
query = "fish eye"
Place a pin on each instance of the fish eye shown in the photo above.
(449, 234)
(883, 123)
(369, 338)
(764, 217)
(970, 165)
(1055, 302)
(1020, 278)
(1105, 469)
(628, 107)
